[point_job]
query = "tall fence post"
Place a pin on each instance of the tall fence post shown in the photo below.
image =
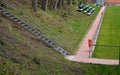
(89, 52)
(118, 48)
(119, 55)
(89, 45)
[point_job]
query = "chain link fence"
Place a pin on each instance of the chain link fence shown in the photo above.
(110, 51)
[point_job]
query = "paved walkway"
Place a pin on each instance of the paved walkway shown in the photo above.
(82, 54)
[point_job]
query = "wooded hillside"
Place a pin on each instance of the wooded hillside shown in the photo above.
(55, 4)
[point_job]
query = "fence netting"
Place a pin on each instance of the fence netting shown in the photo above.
(105, 51)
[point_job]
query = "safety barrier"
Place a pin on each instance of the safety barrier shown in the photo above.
(94, 39)
(108, 48)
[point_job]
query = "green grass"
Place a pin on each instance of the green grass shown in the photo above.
(24, 54)
(56, 27)
(22, 59)
(109, 34)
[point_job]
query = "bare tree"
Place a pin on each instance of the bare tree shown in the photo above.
(44, 4)
(34, 5)
(54, 4)
(68, 2)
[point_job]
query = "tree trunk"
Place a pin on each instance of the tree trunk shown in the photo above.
(56, 3)
(52, 4)
(60, 3)
(46, 5)
(68, 2)
(34, 5)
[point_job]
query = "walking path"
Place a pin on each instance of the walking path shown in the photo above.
(82, 54)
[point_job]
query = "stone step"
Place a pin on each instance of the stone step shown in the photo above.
(7, 13)
(17, 20)
(1, 8)
(26, 27)
(35, 32)
(12, 17)
(30, 28)
(22, 24)
(2, 11)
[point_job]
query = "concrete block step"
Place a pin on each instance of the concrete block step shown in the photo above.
(2, 11)
(7, 13)
(13, 17)
(30, 28)
(17, 20)
(22, 24)
(35, 32)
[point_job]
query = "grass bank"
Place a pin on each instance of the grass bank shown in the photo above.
(65, 26)
(21, 53)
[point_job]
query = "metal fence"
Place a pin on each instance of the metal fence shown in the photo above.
(113, 51)
(94, 39)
